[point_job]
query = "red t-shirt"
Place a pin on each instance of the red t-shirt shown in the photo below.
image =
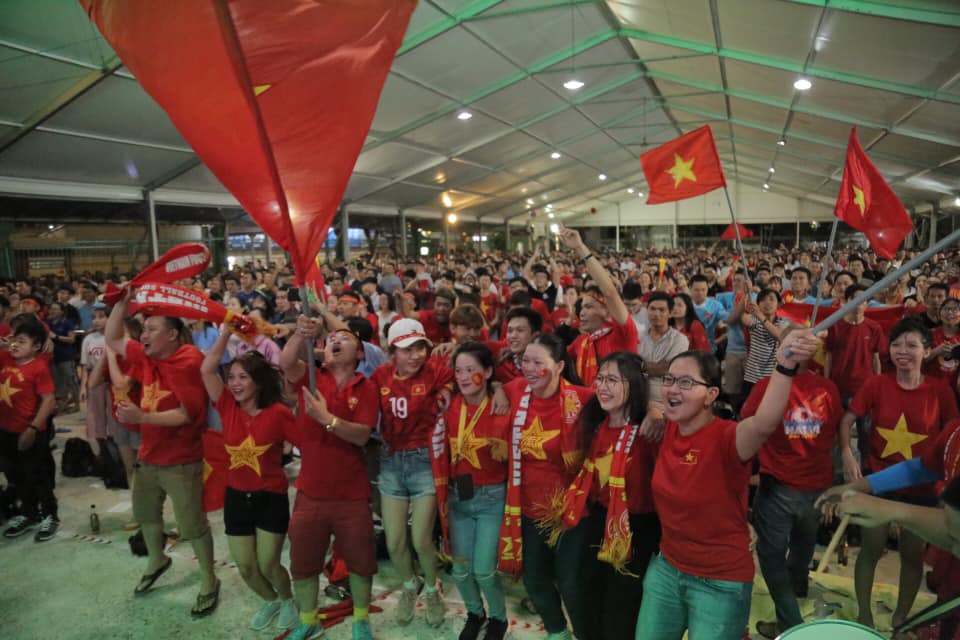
(254, 444)
(545, 473)
(168, 384)
(408, 406)
(21, 386)
(436, 332)
(852, 347)
(696, 336)
(944, 456)
(799, 454)
(131, 395)
(331, 468)
(638, 474)
(489, 305)
(561, 315)
(906, 423)
(507, 369)
(700, 488)
(484, 453)
(589, 349)
(940, 366)
(5, 330)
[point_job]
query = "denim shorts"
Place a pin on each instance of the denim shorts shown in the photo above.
(406, 475)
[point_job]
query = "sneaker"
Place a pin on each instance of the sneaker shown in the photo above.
(18, 526)
(768, 629)
(496, 629)
(436, 608)
(289, 615)
(362, 630)
(406, 605)
(48, 529)
(475, 624)
(305, 632)
(265, 615)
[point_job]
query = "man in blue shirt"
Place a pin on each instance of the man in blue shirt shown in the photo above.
(799, 287)
(710, 311)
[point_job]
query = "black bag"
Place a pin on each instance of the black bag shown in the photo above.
(112, 471)
(138, 546)
(78, 459)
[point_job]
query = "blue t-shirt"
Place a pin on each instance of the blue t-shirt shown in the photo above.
(736, 342)
(711, 313)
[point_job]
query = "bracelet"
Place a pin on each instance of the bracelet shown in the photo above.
(587, 257)
(333, 424)
(787, 372)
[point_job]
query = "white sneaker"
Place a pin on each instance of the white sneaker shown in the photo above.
(265, 615)
(436, 607)
(406, 605)
(289, 615)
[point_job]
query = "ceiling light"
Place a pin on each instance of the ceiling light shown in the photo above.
(447, 202)
(543, 197)
(529, 200)
(802, 84)
(452, 218)
(464, 115)
(781, 142)
(50, 226)
(772, 170)
(550, 215)
(766, 186)
(629, 189)
(555, 155)
(956, 202)
(602, 176)
(640, 194)
(572, 84)
(554, 228)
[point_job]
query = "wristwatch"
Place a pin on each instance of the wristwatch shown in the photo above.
(787, 372)
(332, 425)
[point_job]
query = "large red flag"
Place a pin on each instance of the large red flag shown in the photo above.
(868, 204)
(683, 168)
(730, 233)
(275, 97)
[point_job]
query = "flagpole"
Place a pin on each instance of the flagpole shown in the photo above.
(823, 270)
(311, 362)
(736, 230)
(885, 281)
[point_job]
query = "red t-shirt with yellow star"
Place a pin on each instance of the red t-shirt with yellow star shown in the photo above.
(906, 422)
(484, 451)
(638, 475)
(700, 488)
(167, 384)
(331, 468)
(545, 473)
(408, 406)
(590, 348)
(254, 444)
(21, 386)
(489, 306)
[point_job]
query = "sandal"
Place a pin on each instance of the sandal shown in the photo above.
(206, 603)
(146, 582)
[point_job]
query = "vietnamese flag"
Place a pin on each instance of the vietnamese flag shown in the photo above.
(275, 97)
(683, 168)
(730, 233)
(868, 204)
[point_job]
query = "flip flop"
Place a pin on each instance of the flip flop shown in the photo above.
(147, 580)
(206, 603)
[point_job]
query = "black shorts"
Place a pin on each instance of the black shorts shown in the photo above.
(246, 511)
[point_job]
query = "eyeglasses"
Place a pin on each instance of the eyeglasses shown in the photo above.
(686, 382)
(607, 381)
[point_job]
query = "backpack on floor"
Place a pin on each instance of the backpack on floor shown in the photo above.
(112, 471)
(78, 459)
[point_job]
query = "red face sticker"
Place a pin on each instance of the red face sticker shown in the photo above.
(543, 372)
(477, 378)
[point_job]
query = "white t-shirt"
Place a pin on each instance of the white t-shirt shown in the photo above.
(93, 349)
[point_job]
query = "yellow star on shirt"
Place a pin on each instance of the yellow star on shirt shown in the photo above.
(860, 200)
(207, 470)
(533, 439)
(469, 450)
(247, 454)
(682, 170)
(152, 395)
(900, 439)
(7, 391)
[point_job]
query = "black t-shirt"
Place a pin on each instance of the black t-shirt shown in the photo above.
(548, 295)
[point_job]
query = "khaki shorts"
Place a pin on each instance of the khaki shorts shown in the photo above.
(183, 483)
(734, 365)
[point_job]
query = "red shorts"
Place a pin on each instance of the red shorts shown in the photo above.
(314, 521)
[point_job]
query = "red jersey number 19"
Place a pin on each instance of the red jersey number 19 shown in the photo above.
(399, 407)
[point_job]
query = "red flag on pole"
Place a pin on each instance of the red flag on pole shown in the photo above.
(275, 97)
(868, 204)
(730, 234)
(683, 168)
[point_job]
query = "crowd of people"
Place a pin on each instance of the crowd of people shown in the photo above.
(563, 418)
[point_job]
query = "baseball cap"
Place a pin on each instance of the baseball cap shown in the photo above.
(405, 333)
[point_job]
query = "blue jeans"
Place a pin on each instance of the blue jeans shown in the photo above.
(550, 573)
(674, 602)
(786, 524)
(474, 535)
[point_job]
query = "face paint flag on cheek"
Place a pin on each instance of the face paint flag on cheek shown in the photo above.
(543, 372)
(477, 379)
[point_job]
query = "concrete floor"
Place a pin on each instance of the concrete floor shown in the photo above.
(79, 586)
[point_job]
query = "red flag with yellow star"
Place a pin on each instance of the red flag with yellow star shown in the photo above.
(868, 204)
(276, 97)
(683, 168)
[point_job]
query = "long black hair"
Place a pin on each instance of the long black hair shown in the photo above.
(557, 349)
(691, 315)
(479, 352)
(630, 367)
(266, 377)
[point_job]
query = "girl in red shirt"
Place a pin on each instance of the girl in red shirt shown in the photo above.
(683, 318)
(941, 361)
(702, 580)
(256, 511)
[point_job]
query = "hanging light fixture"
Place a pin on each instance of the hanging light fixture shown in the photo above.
(573, 84)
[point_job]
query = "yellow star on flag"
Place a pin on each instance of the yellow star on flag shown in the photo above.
(602, 464)
(469, 450)
(152, 395)
(247, 454)
(207, 470)
(860, 200)
(682, 170)
(900, 439)
(7, 391)
(260, 88)
(533, 439)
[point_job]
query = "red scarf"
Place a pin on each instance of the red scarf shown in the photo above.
(617, 537)
(510, 549)
(587, 354)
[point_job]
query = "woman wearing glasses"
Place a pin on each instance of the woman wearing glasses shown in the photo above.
(702, 580)
(612, 497)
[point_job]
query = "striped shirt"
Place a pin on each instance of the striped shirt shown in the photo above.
(762, 356)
